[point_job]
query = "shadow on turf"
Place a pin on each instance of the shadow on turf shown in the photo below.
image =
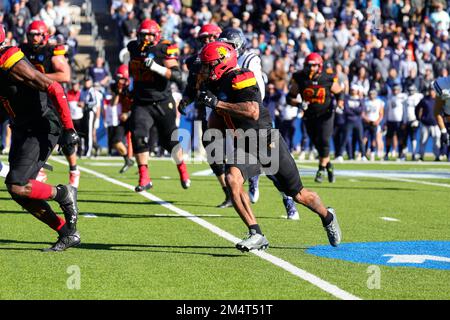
(126, 247)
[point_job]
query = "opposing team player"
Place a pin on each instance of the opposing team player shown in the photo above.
(25, 93)
(51, 60)
(117, 115)
(153, 65)
(316, 88)
(232, 93)
(250, 60)
(442, 107)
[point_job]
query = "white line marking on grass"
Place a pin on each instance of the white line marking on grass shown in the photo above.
(166, 178)
(89, 215)
(420, 182)
(309, 277)
(105, 164)
(389, 219)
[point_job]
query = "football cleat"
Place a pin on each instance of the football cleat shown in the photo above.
(69, 206)
(253, 189)
(128, 164)
(253, 241)
(333, 230)
(65, 242)
(319, 176)
(185, 183)
(74, 178)
(330, 172)
(227, 203)
(141, 188)
(291, 210)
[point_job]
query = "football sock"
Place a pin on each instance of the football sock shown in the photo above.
(327, 220)
(73, 168)
(61, 193)
(255, 229)
(321, 168)
(39, 190)
(227, 193)
(183, 171)
(144, 178)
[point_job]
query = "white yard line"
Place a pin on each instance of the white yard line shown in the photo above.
(309, 277)
(389, 219)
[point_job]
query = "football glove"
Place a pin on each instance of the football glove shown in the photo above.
(207, 99)
(182, 106)
(444, 138)
(69, 137)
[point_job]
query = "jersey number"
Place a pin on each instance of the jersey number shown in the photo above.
(311, 95)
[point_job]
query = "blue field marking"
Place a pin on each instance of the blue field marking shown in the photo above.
(417, 254)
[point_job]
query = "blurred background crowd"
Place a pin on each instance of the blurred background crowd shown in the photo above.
(389, 51)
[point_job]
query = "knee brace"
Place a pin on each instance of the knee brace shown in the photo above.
(68, 150)
(140, 144)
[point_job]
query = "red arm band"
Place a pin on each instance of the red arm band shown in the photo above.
(59, 99)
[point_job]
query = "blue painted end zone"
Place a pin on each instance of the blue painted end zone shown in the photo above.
(417, 254)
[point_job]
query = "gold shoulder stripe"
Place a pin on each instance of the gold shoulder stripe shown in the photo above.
(172, 51)
(59, 52)
(11, 61)
(244, 84)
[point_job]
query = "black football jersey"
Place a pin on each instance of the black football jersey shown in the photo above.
(41, 57)
(24, 105)
(316, 92)
(149, 86)
(240, 86)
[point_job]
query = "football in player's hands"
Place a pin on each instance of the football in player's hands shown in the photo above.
(207, 99)
(69, 137)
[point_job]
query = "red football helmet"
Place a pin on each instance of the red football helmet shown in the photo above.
(219, 58)
(149, 26)
(37, 27)
(209, 30)
(314, 59)
(122, 72)
(2, 34)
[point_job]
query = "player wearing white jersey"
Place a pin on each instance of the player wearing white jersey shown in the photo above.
(372, 115)
(412, 124)
(249, 60)
(442, 107)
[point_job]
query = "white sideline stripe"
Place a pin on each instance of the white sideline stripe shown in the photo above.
(389, 219)
(420, 182)
(89, 215)
(314, 280)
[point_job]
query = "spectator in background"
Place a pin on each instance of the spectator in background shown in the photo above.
(62, 11)
(99, 73)
(88, 101)
(412, 123)
(48, 14)
(429, 127)
(353, 108)
(439, 19)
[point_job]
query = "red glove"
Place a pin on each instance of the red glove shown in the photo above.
(59, 99)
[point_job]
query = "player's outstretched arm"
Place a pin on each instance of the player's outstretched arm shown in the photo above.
(22, 71)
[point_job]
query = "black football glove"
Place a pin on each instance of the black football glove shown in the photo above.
(182, 106)
(444, 138)
(207, 99)
(69, 137)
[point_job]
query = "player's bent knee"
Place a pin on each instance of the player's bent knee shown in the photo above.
(140, 144)
(68, 150)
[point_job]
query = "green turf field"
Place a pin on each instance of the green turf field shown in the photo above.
(136, 248)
